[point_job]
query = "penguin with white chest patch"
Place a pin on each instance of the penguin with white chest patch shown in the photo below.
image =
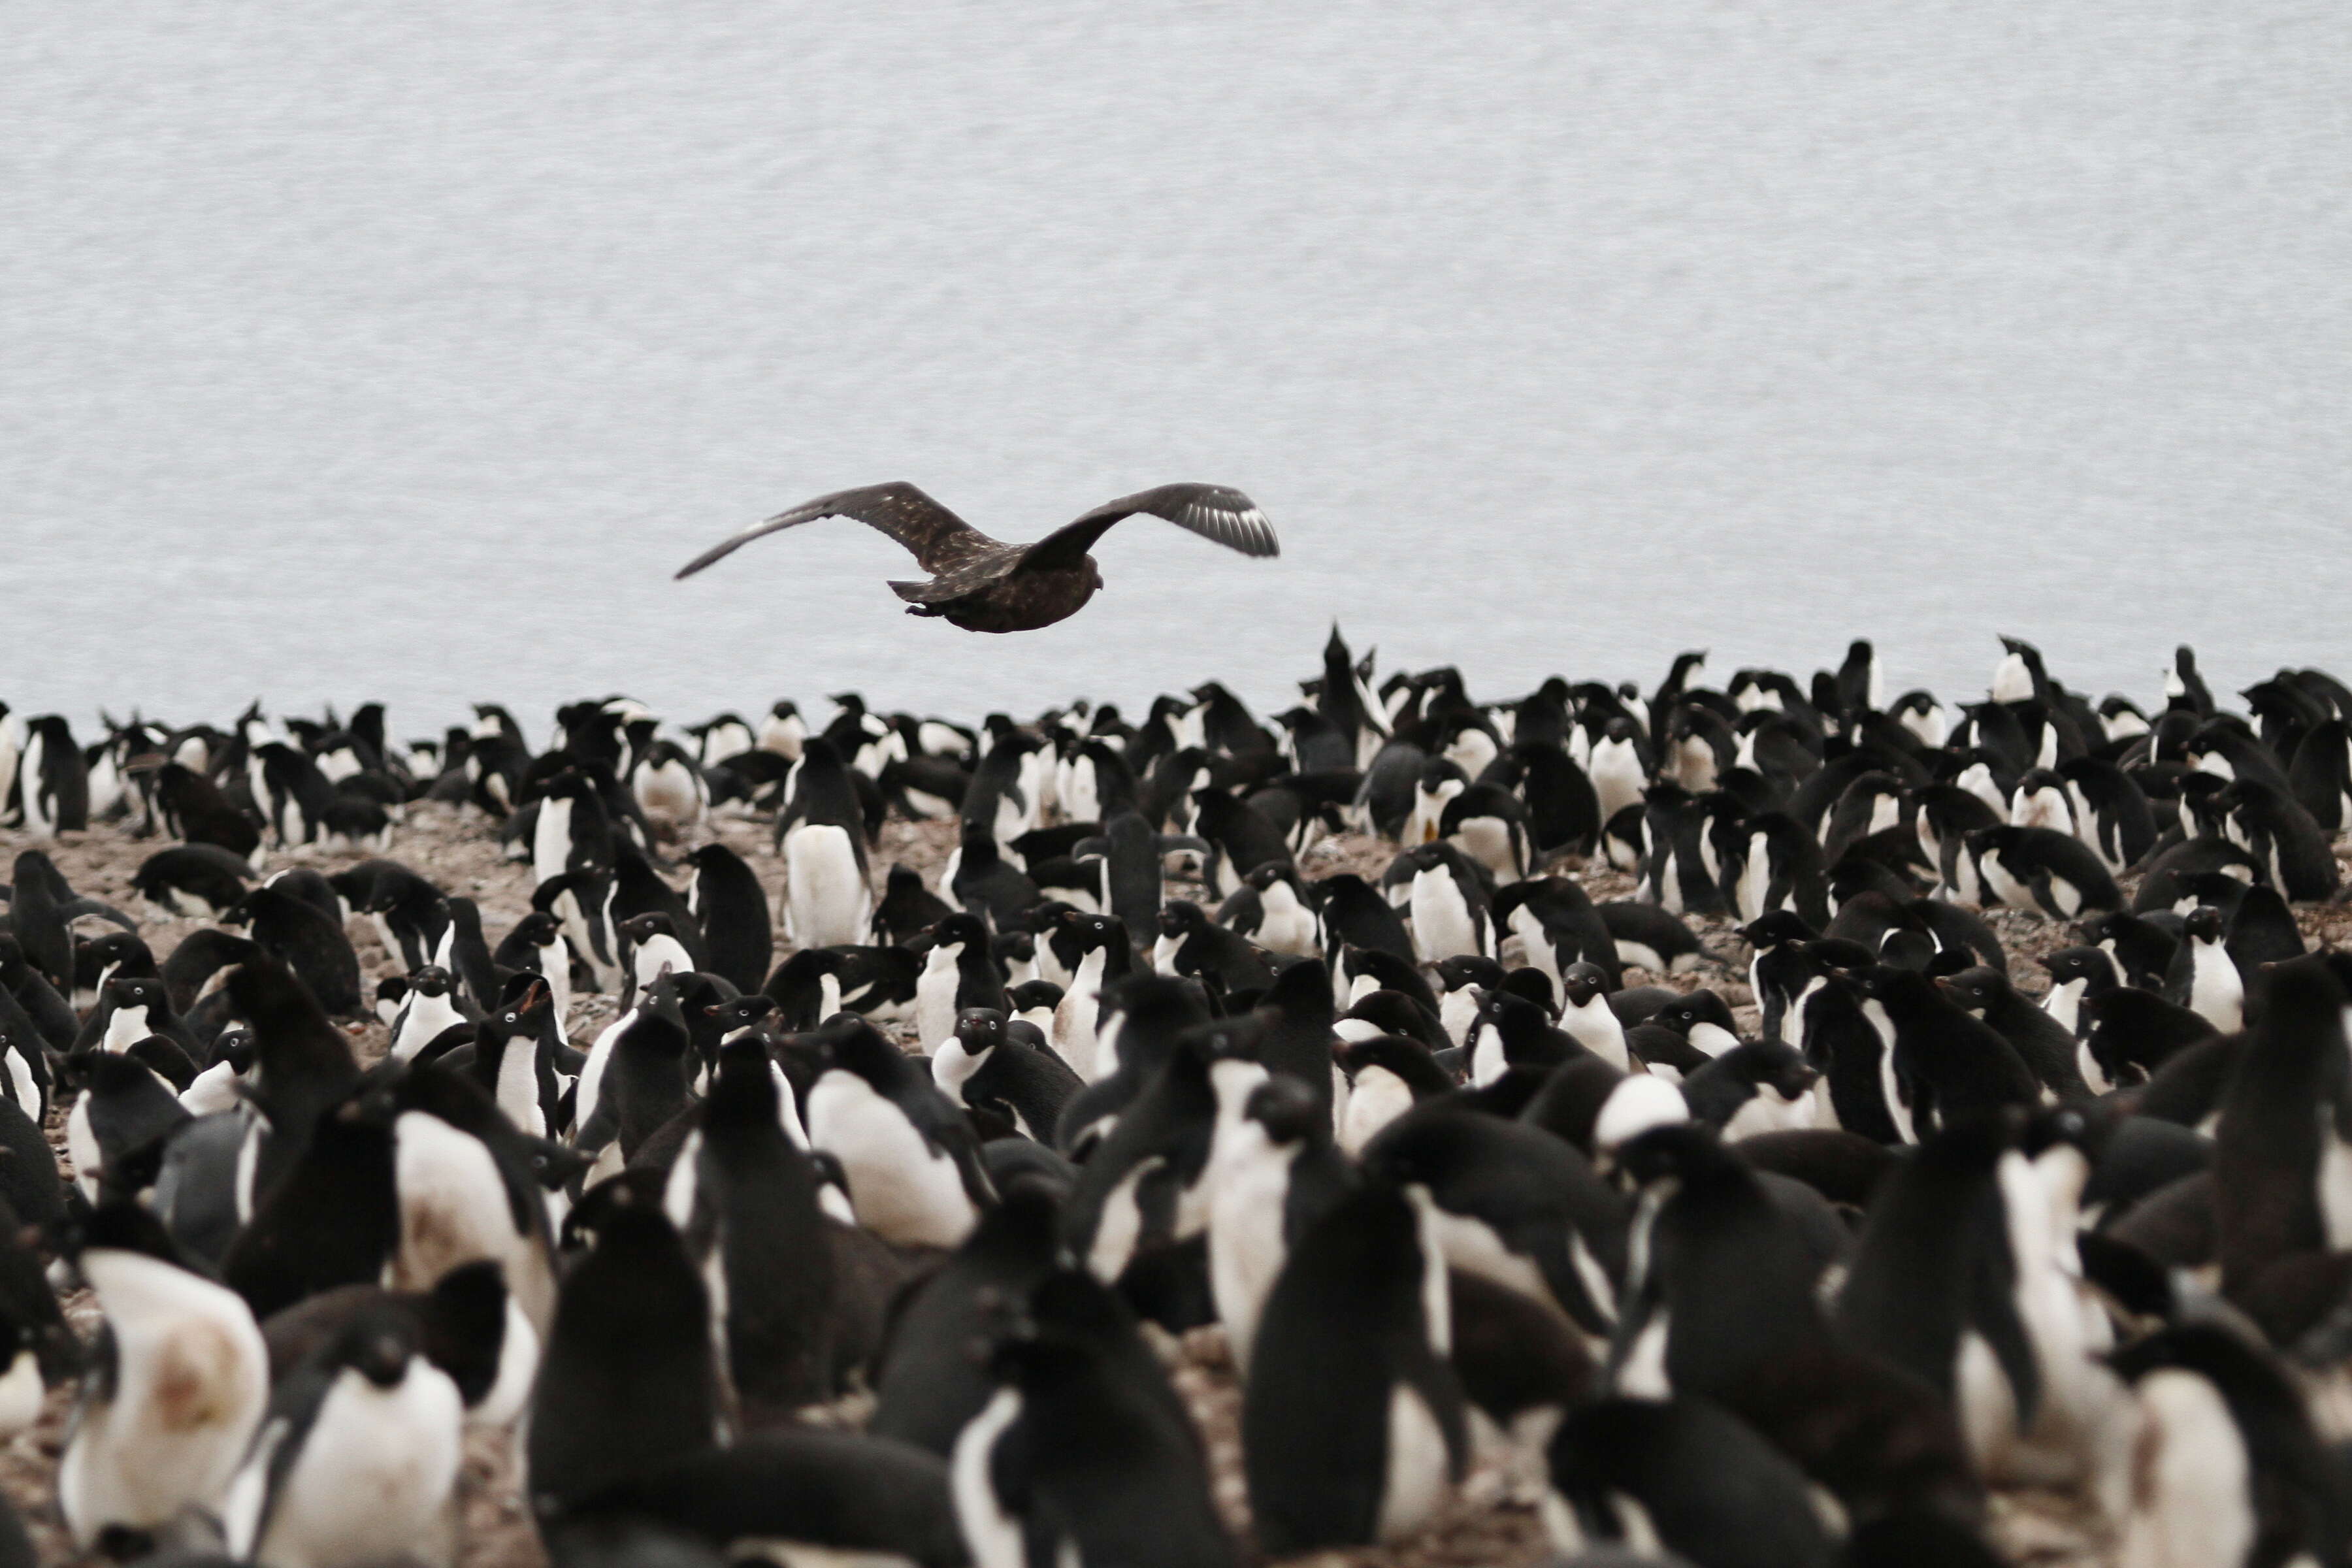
(960, 971)
(911, 1159)
(1353, 1429)
(181, 1381)
(981, 1065)
(357, 1459)
(1448, 901)
(1274, 1172)
(821, 832)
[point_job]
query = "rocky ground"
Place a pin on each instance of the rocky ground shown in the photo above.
(458, 851)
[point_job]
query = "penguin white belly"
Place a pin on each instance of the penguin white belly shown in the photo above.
(2217, 992)
(40, 818)
(1889, 1086)
(1074, 1016)
(1120, 1226)
(1490, 841)
(1378, 1097)
(125, 1028)
(1443, 925)
(518, 1367)
(657, 954)
(590, 1087)
(551, 839)
(669, 792)
(21, 1395)
(1596, 1028)
(1488, 1062)
(1643, 1373)
(1419, 1480)
(1457, 1010)
(1768, 1110)
(2191, 1496)
(21, 1087)
(901, 1189)
(1616, 774)
(2065, 1003)
(1534, 944)
(993, 1535)
(1472, 1245)
(81, 1145)
(826, 901)
(192, 1380)
(1712, 1038)
(935, 993)
(1289, 926)
(1245, 1246)
(420, 1022)
(2002, 886)
(516, 1092)
(375, 1480)
(454, 1209)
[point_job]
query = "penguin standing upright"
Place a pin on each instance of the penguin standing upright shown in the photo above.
(727, 900)
(1353, 1429)
(1273, 1172)
(182, 1381)
(959, 972)
(52, 780)
(822, 833)
(627, 1383)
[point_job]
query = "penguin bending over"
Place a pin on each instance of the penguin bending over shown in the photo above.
(180, 1379)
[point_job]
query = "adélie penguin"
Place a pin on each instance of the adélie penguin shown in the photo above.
(1353, 1429)
(1084, 1455)
(929, 1385)
(1273, 1172)
(1721, 1301)
(982, 1065)
(627, 1381)
(746, 1204)
(357, 1458)
(911, 1159)
(180, 1381)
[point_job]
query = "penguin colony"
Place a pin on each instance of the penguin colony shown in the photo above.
(765, 1201)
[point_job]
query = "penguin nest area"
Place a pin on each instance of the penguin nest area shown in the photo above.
(1763, 1125)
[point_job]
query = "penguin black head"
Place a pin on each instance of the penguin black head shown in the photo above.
(1469, 969)
(2071, 964)
(1273, 871)
(378, 1342)
(523, 1002)
(1181, 918)
(1287, 1109)
(979, 1029)
(234, 1044)
(740, 1012)
(1581, 982)
(641, 929)
(1535, 986)
(1774, 927)
(538, 927)
(1882, 982)
(1976, 988)
(1032, 994)
(2204, 923)
(136, 992)
(960, 928)
(430, 981)
(1675, 1150)
(1700, 1006)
